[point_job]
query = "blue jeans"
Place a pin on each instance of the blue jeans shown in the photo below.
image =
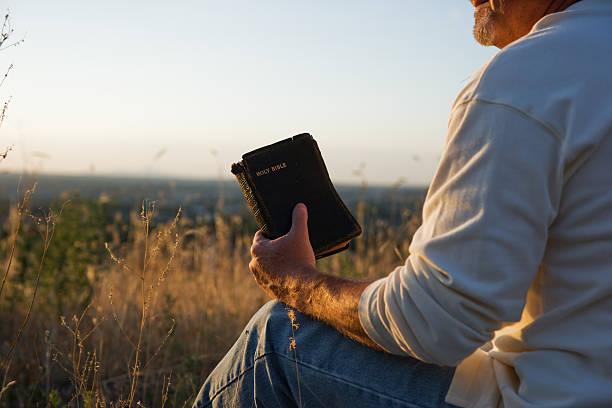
(332, 370)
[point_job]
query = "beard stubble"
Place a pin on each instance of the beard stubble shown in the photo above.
(484, 22)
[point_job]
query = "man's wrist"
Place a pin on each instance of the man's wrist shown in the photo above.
(299, 289)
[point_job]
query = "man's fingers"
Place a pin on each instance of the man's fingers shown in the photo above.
(299, 221)
(259, 236)
(259, 240)
(299, 231)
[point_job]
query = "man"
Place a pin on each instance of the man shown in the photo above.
(517, 232)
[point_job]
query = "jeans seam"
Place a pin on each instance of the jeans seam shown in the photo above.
(236, 378)
(230, 382)
(312, 367)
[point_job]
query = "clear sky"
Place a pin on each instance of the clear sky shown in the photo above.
(183, 88)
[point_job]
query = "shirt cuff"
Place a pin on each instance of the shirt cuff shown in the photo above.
(369, 317)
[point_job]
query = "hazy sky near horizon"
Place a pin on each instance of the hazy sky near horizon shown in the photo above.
(183, 88)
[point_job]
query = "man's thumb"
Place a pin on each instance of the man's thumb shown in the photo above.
(299, 221)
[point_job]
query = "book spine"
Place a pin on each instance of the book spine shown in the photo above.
(255, 206)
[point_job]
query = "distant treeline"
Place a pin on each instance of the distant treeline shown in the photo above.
(199, 199)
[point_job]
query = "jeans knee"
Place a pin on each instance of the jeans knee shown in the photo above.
(267, 330)
(268, 324)
(270, 312)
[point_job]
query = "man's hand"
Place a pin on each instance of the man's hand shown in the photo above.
(286, 269)
(282, 265)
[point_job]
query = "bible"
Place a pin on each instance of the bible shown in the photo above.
(276, 177)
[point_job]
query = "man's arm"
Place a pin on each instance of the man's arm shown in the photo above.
(484, 233)
(286, 269)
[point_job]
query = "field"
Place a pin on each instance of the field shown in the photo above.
(119, 291)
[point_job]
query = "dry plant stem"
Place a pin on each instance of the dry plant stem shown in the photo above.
(6, 152)
(94, 370)
(165, 389)
(147, 210)
(6, 32)
(293, 346)
(4, 109)
(49, 231)
(172, 227)
(6, 74)
(121, 263)
(81, 373)
(20, 212)
(161, 346)
(5, 388)
(147, 291)
(89, 333)
(116, 318)
(401, 257)
(5, 383)
(76, 362)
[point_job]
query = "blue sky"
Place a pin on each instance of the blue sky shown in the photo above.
(183, 88)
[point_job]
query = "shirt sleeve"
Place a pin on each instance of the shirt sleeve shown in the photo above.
(484, 232)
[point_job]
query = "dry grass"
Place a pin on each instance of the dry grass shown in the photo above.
(167, 303)
(144, 326)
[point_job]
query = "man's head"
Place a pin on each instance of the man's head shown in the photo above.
(500, 22)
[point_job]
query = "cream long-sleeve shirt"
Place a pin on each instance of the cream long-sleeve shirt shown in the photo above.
(517, 229)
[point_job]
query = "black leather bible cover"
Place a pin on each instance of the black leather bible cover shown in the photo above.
(275, 178)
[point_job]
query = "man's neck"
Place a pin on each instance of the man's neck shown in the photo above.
(556, 6)
(520, 22)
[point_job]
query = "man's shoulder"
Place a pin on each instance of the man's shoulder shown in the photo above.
(512, 74)
(565, 59)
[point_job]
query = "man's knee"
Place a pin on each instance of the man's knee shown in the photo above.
(268, 323)
(270, 311)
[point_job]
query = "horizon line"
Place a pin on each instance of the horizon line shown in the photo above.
(170, 177)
